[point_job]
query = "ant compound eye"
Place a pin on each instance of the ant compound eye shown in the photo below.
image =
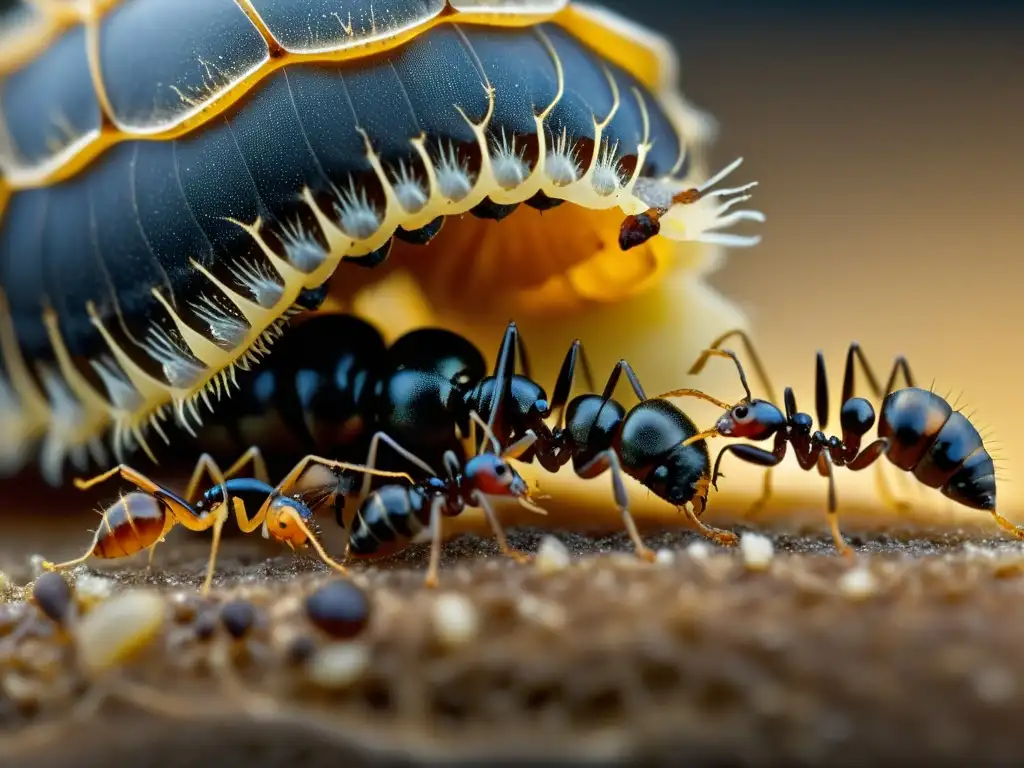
(741, 414)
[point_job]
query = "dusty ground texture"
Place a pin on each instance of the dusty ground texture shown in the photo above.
(764, 655)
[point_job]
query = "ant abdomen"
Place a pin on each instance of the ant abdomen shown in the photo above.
(911, 420)
(390, 513)
(939, 445)
(133, 523)
(974, 484)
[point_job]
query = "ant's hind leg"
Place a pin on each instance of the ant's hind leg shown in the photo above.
(762, 501)
(869, 455)
(371, 460)
(1014, 530)
(608, 460)
(126, 473)
(297, 471)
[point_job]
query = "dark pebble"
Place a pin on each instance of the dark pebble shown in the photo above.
(53, 596)
(238, 617)
(301, 649)
(340, 608)
(205, 625)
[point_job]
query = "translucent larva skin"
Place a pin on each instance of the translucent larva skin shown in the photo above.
(171, 187)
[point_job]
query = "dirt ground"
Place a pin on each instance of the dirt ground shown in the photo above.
(758, 655)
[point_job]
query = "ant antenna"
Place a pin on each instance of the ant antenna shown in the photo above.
(739, 368)
(488, 432)
(755, 360)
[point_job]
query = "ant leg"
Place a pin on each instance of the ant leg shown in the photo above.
(314, 542)
(1016, 531)
(435, 542)
(613, 381)
(889, 498)
(608, 460)
(474, 418)
(870, 455)
(371, 460)
(205, 463)
(259, 465)
(717, 535)
(715, 349)
(499, 532)
(504, 369)
(856, 355)
(762, 500)
(296, 473)
(520, 446)
(752, 455)
(126, 473)
(47, 565)
(826, 468)
(567, 377)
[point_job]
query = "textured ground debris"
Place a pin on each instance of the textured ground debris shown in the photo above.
(776, 651)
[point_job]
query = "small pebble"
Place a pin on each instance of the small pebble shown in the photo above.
(858, 583)
(699, 550)
(35, 563)
(456, 620)
(665, 557)
(238, 617)
(339, 608)
(339, 665)
(552, 556)
(118, 629)
(757, 551)
(301, 649)
(91, 587)
(53, 596)
(205, 625)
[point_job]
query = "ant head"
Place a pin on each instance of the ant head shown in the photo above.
(493, 476)
(752, 420)
(289, 521)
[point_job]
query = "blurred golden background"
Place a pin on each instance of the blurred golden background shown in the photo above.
(890, 149)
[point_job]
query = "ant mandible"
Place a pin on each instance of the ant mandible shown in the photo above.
(918, 431)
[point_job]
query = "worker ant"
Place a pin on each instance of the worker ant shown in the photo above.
(141, 519)
(653, 442)
(918, 431)
(396, 513)
(331, 384)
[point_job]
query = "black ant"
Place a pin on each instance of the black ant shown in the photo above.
(918, 431)
(396, 513)
(141, 519)
(332, 386)
(653, 442)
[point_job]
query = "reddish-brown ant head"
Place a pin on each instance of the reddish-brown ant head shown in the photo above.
(493, 476)
(751, 420)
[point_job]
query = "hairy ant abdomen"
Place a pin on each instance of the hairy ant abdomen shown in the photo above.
(133, 523)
